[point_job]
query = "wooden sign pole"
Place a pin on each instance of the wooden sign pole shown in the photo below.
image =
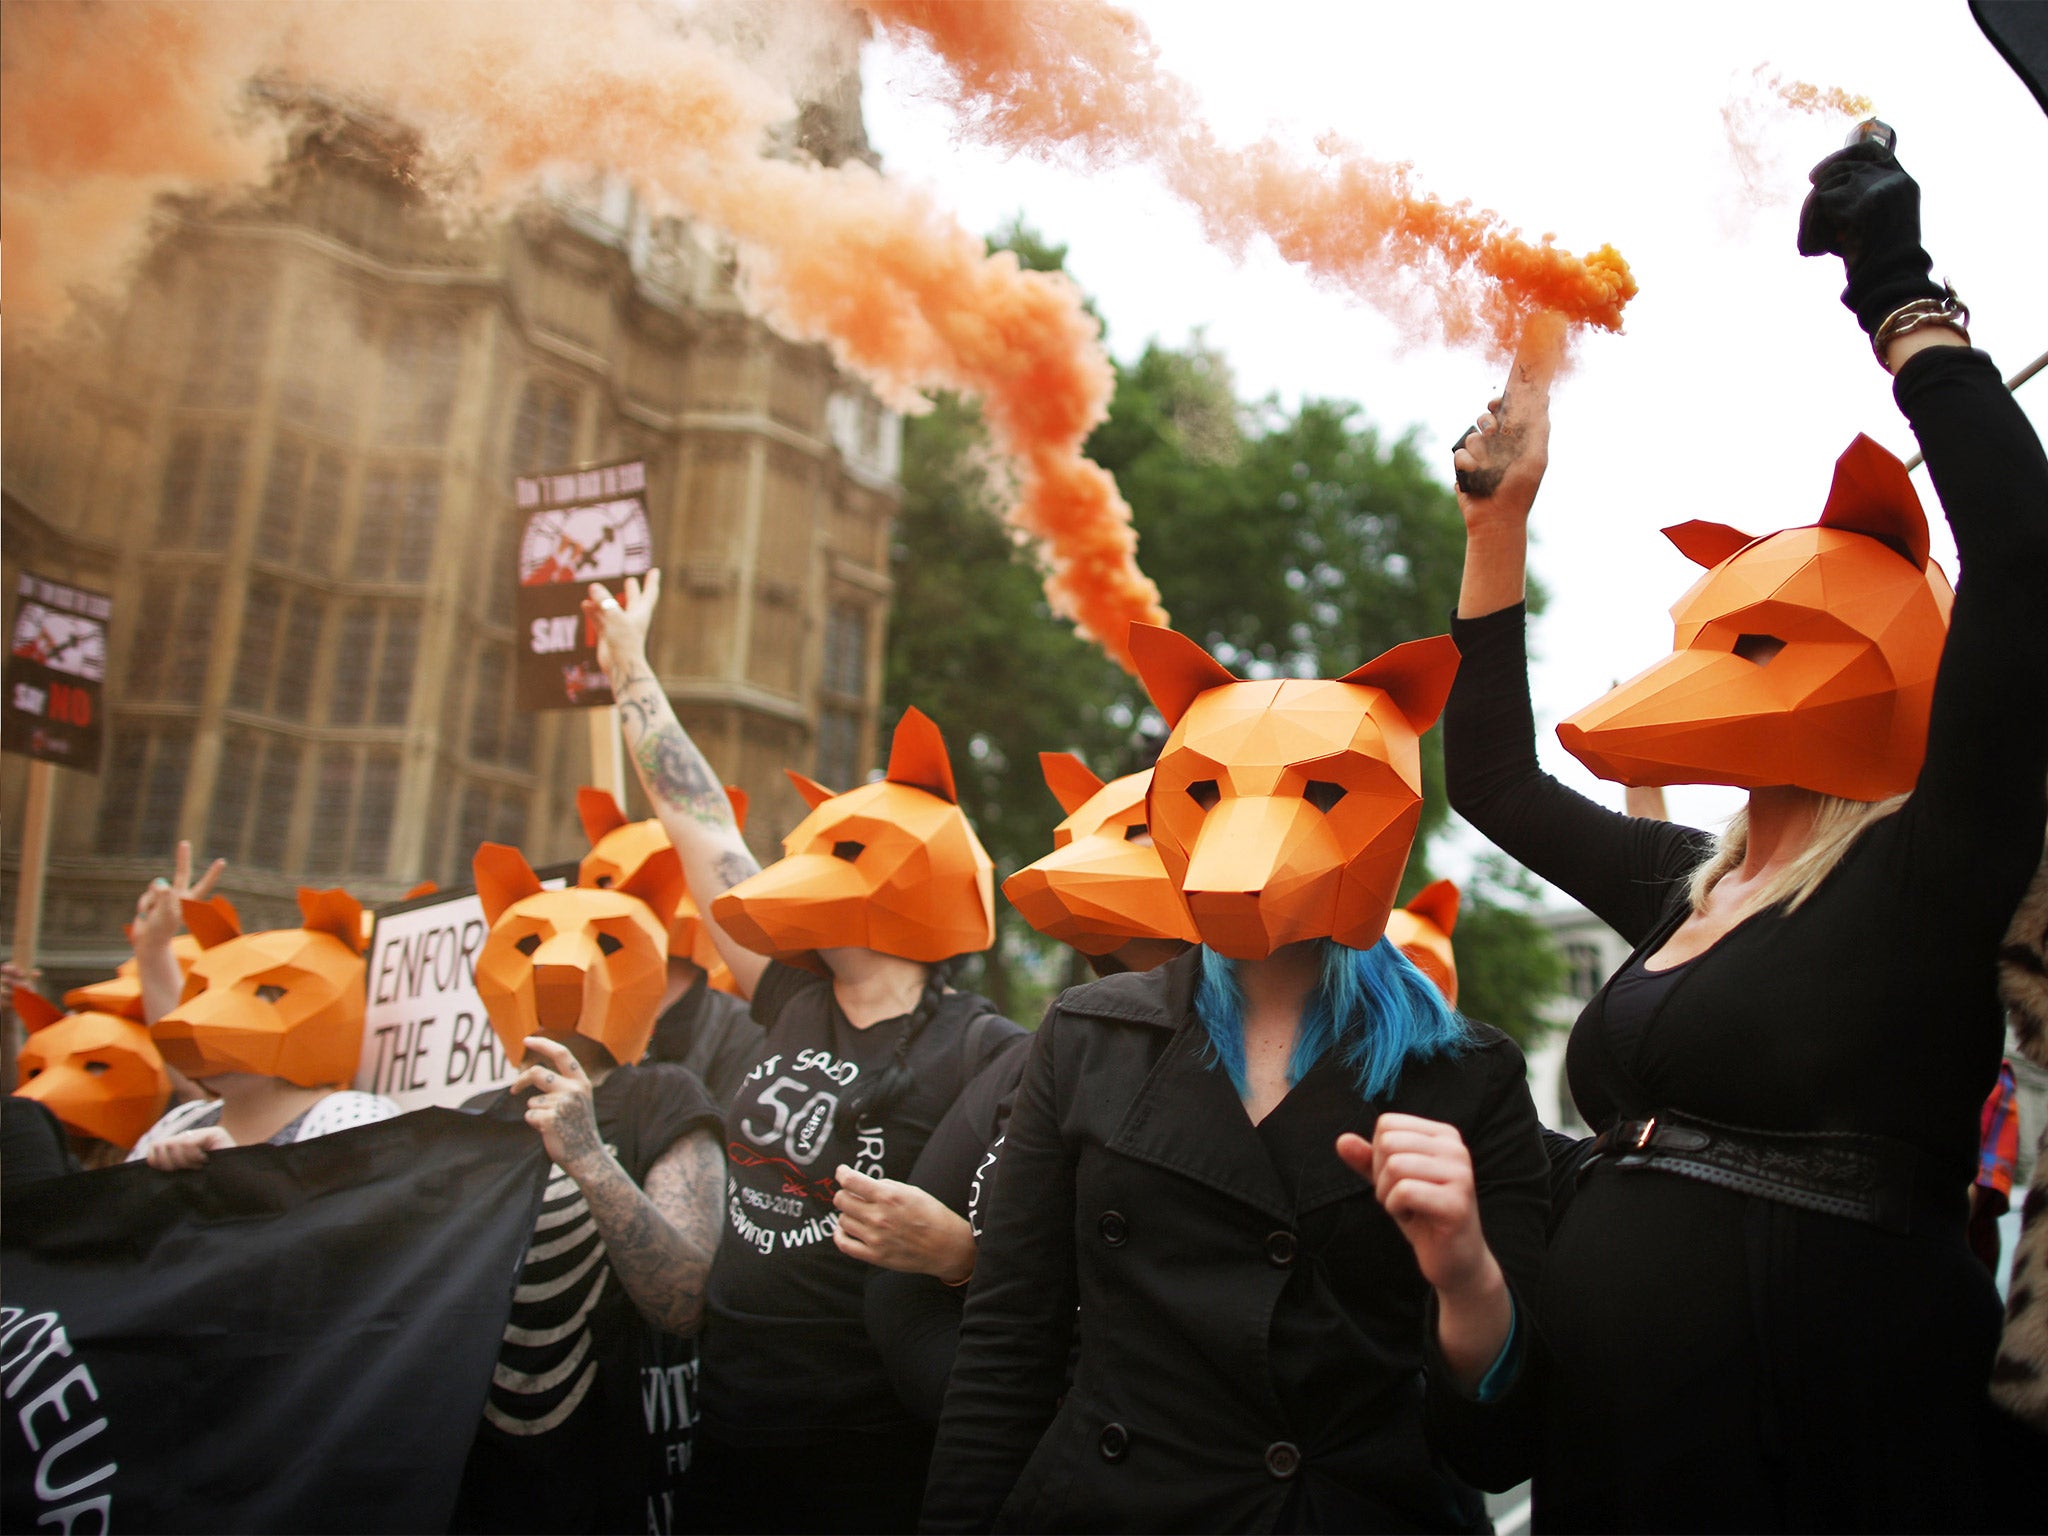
(35, 853)
(607, 755)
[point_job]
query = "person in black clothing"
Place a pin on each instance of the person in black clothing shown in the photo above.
(860, 1059)
(1263, 1344)
(587, 1422)
(1759, 1310)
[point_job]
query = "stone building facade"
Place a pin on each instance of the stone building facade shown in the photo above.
(289, 452)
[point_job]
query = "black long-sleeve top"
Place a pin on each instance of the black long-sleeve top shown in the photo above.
(1715, 1361)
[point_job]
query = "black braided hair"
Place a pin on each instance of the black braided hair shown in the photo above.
(896, 1079)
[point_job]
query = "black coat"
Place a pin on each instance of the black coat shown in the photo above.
(1253, 1328)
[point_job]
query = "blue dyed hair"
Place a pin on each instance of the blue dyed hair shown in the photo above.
(1372, 1005)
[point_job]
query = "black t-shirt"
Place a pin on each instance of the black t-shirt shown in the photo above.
(785, 1346)
(915, 1319)
(587, 1426)
(712, 1033)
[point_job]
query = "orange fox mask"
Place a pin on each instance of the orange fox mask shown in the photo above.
(1285, 810)
(1103, 884)
(97, 1072)
(891, 866)
(285, 1003)
(1422, 931)
(589, 960)
(637, 856)
(1805, 657)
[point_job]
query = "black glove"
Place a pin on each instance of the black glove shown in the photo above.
(1866, 210)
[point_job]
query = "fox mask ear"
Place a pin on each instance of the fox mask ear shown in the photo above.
(599, 813)
(1071, 781)
(1417, 676)
(1872, 493)
(814, 793)
(1707, 544)
(1174, 670)
(212, 922)
(1438, 902)
(917, 756)
(737, 799)
(35, 1010)
(502, 877)
(334, 912)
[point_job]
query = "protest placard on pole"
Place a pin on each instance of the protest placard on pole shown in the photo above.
(426, 1037)
(50, 713)
(577, 526)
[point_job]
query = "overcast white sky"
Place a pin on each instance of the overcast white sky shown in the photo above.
(1739, 379)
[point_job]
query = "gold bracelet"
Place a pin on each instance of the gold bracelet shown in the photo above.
(1947, 311)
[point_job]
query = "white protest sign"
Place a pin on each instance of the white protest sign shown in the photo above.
(426, 1037)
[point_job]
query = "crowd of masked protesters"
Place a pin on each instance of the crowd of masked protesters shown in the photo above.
(1257, 1231)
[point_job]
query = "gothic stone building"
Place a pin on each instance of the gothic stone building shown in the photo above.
(288, 453)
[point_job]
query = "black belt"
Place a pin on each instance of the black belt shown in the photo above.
(1865, 1178)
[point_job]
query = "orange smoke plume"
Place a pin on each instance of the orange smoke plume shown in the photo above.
(1064, 78)
(1758, 109)
(107, 106)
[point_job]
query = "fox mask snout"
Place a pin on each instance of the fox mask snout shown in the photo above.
(588, 960)
(1285, 810)
(283, 1003)
(1103, 884)
(891, 866)
(1805, 657)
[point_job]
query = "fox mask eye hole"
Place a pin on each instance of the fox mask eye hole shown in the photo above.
(604, 882)
(1205, 793)
(269, 992)
(610, 945)
(97, 1067)
(1322, 794)
(848, 851)
(528, 944)
(1758, 648)
(35, 1071)
(1137, 832)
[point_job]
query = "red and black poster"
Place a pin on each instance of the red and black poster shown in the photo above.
(56, 666)
(576, 527)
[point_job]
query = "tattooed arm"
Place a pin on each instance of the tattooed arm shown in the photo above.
(659, 1240)
(685, 793)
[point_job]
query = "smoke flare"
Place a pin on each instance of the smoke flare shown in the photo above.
(1066, 78)
(108, 106)
(1758, 108)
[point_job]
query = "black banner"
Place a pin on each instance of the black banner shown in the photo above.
(576, 526)
(291, 1339)
(56, 665)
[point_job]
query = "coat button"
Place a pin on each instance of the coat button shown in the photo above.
(1282, 1460)
(1113, 1231)
(1114, 1443)
(1280, 1249)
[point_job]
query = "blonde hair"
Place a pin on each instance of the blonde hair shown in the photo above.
(1836, 826)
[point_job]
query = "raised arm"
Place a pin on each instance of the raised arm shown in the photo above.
(685, 793)
(658, 1240)
(1621, 867)
(159, 915)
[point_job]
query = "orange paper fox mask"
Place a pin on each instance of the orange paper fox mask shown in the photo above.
(589, 960)
(1103, 884)
(637, 856)
(97, 1072)
(285, 1003)
(891, 866)
(1805, 657)
(1422, 931)
(1285, 810)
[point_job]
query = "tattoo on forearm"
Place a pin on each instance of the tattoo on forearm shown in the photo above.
(659, 1240)
(734, 866)
(671, 768)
